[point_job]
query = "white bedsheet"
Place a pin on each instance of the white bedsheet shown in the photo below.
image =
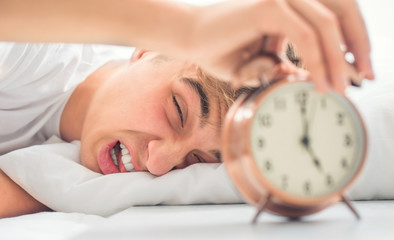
(205, 222)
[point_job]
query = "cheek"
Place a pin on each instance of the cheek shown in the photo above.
(147, 117)
(119, 109)
(114, 102)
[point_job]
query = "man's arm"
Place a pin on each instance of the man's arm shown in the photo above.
(223, 38)
(14, 201)
(149, 24)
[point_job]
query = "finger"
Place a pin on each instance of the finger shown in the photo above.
(259, 58)
(288, 68)
(267, 69)
(303, 35)
(250, 73)
(330, 38)
(356, 37)
(355, 76)
(274, 44)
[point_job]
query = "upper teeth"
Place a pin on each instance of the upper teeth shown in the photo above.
(125, 156)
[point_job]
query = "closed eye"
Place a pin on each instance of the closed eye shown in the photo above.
(179, 109)
(198, 158)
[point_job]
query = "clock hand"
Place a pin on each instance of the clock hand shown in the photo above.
(306, 143)
(305, 140)
(315, 160)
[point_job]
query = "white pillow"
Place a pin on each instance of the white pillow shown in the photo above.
(376, 104)
(51, 173)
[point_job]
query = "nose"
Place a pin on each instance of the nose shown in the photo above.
(165, 156)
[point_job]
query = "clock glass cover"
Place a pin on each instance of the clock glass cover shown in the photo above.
(305, 143)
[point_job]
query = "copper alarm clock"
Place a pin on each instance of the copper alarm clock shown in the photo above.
(291, 150)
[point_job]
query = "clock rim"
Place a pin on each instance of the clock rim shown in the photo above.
(245, 173)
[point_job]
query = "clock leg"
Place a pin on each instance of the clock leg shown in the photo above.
(263, 203)
(350, 206)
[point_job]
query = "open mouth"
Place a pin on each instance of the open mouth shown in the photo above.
(120, 155)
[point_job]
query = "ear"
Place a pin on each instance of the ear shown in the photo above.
(137, 54)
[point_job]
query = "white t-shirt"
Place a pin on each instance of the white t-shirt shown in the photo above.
(36, 81)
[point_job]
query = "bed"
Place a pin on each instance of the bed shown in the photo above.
(224, 221)
(200, 202)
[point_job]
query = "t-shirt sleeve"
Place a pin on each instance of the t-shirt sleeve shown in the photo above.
(11, 61)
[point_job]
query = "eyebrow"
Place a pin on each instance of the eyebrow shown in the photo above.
(204, 101)
(204, 106)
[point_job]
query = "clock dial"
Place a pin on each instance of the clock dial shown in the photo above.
(306, 143)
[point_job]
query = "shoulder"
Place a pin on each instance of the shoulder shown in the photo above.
(28, 63)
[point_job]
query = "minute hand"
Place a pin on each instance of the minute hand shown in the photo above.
(305, 140)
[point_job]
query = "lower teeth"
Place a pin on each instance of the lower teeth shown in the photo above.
(114, 158)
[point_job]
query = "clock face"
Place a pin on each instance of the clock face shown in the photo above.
(305, 143)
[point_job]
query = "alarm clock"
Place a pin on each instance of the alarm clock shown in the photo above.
(292, 150)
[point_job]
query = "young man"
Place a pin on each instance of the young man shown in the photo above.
(148, 109)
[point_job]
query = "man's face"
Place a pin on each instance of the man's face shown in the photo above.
(151, 114)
